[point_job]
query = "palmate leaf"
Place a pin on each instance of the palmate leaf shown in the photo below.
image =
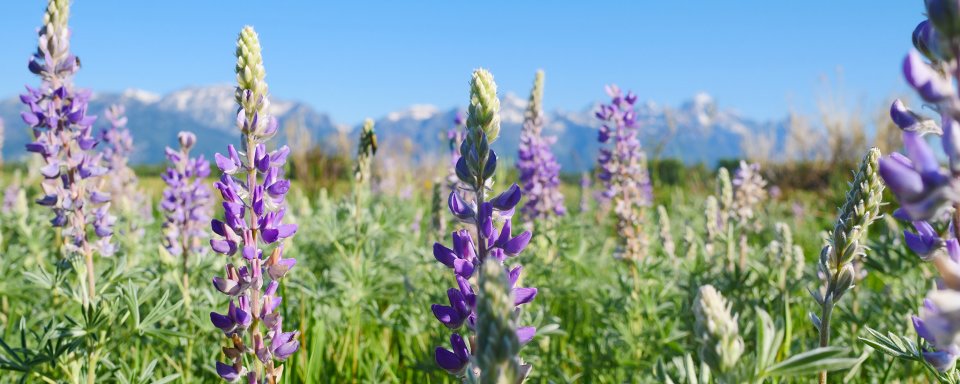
(148, 324)
(51, 345)
(811, 362)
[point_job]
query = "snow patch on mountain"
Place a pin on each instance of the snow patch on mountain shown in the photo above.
(415, 112)
(695, 131)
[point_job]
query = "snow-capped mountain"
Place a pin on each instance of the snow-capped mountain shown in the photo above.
(695, 131)
(155, 120)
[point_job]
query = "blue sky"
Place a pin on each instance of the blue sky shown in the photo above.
(354, 59)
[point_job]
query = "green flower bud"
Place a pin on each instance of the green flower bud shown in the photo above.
(249, 69)
(483, 114)
(365, 150)
(716, 329)
(845, 244)
(534, 112)
(690, 243)
(724, 193)
(712, 218)
(251, 92)
(57, 14)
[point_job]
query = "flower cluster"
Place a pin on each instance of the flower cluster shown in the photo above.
(934, 324)
(716, 329)
(846, 244)
(63, 137)
(253, 225)
(786, 254)
(366, 148)
(539, 169)
(490, 313)
(186, 201)
(748, 192)
(926, 192)
(937, 323)
(623, 170)
(117, 146)
(666, 232)
(14, 197)
(622, 161)
(847, 241)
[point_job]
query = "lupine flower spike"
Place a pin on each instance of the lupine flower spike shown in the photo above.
(117, 146)
(63, 137)
(186, 203)
(847, 243)
(716, 329)
(252, 228)
(486, 340)
(365, 151)
(926, 192)
(666, 232)
(748, 193)
(623, 170)
(539, 169)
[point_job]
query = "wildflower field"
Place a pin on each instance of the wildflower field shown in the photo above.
(276, 261)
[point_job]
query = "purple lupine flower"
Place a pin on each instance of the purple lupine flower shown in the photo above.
(253, 192)
(454, 138)
(748, 193)
(117, 146)
(925, 241)
(941, 359)
(539, 169)
(622, 161)
(63, 137)
(116, 139)
(623, 170)
(10, 195)
(937, 323)
(481, 242)
(925, 190)
(186, 201)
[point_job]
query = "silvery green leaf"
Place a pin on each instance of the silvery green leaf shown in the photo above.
(811, 362)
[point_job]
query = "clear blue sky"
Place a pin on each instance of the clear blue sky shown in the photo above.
(362, 58)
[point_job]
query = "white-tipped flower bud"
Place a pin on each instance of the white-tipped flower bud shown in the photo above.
(720, 343)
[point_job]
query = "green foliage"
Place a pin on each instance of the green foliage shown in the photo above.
(365, 280)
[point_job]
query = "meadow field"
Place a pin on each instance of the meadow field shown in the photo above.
(283, 260)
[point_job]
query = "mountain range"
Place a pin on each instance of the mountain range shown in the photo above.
(695, 131)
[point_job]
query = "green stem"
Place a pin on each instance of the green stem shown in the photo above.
(788, 324)
(827, 310)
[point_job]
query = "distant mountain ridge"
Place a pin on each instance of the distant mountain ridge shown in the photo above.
(696, 131)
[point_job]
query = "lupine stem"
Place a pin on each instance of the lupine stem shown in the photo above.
(825, 314)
